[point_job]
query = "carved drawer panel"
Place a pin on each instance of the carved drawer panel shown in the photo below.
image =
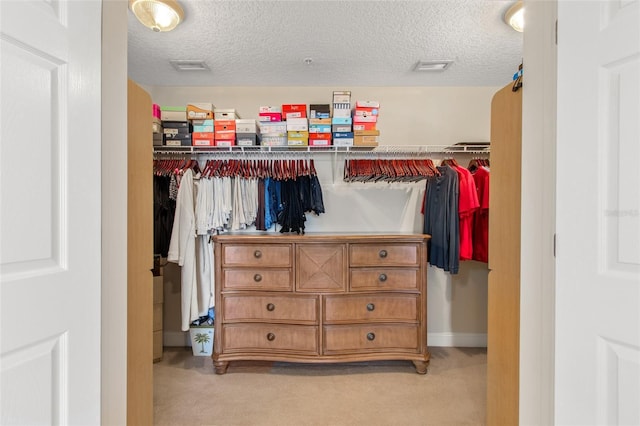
(384, 279)
(271, 337)
(257, 279)
(370, 337)
(321, 267)
(270, 255)
(270, 308)
(371, 308)
(384, 254)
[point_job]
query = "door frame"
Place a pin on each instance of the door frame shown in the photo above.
(536, 390)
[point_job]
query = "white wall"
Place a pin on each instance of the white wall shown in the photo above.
(457, 305)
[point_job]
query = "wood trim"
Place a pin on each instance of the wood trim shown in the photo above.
(139, 258)
(503, 341)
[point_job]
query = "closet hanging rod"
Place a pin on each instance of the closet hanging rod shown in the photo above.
(386, 149)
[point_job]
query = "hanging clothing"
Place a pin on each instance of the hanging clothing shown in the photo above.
(182, 249)
(163, 213)
(481, 216)
(441, 219)
(467, 205)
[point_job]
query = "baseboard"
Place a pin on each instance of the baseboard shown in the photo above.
(176, 338)
(464, 340)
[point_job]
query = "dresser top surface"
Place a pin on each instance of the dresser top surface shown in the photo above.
(270, 237)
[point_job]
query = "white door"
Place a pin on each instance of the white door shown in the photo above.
(597, 370)
(50, 212)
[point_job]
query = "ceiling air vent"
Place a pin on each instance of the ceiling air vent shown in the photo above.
(189, 65)
(432, 65)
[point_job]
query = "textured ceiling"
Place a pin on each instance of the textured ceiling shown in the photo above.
(351, 43)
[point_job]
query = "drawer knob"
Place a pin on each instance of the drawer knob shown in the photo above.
(271, 337)
(270, 307)
(382, 277)
(383, 254)
(257, 254)
(257, 278)
(371, 336)
(370, 307)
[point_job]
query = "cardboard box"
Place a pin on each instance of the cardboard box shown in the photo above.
(171, 131)
(365, 141)
(365, 119)
(341, 110)
(199, 111)
(365, 111)
(294, 111)
(176, 136)
(366, 132)
(269, 109)
(320, 121)
(297, 124)
(223, 125)
(367, 104)
(273, 127)
(340, 128)
(364, 126)
(319, 142)
(319, 139)
(298, 135)
(202, 139)
(246, 125)
(319, 111)
(297, 142)
(157, 139)
(343, 141)
(225, 114)
(156, 127)
(225, 135)
(269, 140)
(177, 142)
(169, 113)
(320, 128)
(342, 97)
(269, 116)
(341, 135)
(342, 120)
(202, 125)
(246, 139)
(176, 124)
(225, 142)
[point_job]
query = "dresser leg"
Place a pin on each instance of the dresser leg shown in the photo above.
(421, 366)
(221, 366)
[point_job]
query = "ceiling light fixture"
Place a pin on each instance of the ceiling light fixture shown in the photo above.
(432, 65)
(515, 16)
(159, 15)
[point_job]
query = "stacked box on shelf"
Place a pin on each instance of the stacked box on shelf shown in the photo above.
(319, 131)
(246, 132)
(176, 133)
(365, 119)
(341, 120)
(202, 133)
(319, 111)
(269, 113)
(272, 133)
(225, 132)
(156, 126)
(297, 130)
(199, 111)
(294, 111)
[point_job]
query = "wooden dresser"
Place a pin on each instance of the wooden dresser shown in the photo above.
(321, 298)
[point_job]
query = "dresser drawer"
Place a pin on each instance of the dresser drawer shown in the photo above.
(257, 279)
(270, 255)
(270, 308)
(383, 254)
(270, 337)
(371, 308)
(384, 279)
(364, 337)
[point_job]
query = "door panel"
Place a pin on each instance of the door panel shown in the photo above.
(598, 227)
(50, 212)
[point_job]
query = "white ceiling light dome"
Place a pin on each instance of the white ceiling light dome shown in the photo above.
(515, 16)
(158, 15)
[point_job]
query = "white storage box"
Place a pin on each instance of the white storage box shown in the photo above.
(225, 114)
